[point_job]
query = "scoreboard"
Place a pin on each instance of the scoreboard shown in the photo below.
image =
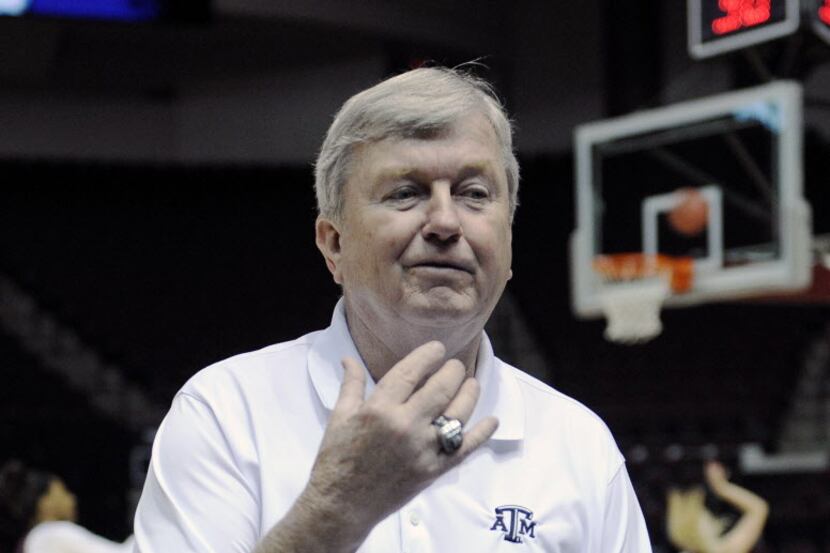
(821, 19)
(131, 11)
(719, 26)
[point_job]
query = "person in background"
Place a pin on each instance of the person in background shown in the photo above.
(694, 529)
(38, 514)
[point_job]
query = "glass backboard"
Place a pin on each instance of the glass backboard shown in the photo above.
(739, 154)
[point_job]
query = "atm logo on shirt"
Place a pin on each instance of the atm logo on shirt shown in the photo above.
(515, 523)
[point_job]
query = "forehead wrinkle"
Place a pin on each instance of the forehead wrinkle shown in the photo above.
(473, 135)
(421, 173)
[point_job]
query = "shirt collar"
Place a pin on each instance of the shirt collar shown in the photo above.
(500, 393)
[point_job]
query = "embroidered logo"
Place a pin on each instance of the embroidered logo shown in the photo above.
(515, 523)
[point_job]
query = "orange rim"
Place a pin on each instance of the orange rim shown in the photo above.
(634, 266)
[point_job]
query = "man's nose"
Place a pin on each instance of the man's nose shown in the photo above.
(443, 222)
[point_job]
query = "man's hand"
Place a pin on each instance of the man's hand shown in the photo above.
(378, 453)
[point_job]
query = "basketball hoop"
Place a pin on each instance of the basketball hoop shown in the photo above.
(635, 285)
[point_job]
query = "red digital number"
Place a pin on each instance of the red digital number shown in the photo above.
(824, 12)
(743, 13)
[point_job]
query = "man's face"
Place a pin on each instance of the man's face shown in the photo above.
(425, 234)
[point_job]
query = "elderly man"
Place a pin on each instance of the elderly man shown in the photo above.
(350, 438)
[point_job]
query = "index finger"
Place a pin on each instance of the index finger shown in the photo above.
(351, 389)
(402, 379)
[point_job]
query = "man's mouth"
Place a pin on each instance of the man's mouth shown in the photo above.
(444, 265)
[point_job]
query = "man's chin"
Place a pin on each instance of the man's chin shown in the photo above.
(439, 312)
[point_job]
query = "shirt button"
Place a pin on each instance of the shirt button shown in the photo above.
(413, 519)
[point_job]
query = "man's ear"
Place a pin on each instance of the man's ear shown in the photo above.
(327, 236)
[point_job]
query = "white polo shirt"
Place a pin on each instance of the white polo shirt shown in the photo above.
(236, 450)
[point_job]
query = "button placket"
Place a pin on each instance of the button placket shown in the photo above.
(414, 519)
(412, 526)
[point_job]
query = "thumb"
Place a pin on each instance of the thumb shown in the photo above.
(352, 387)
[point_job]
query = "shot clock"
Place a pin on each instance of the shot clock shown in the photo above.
(719, 26)
(821, 19)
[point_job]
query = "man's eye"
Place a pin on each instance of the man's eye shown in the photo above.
(477, 193)
(402, 194)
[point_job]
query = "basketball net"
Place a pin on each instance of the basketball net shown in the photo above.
(635, 285)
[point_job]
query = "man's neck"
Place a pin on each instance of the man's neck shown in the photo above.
(382, 345)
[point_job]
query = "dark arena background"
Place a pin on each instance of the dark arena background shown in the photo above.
(157, 212)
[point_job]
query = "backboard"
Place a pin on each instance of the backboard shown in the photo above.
(740, 152)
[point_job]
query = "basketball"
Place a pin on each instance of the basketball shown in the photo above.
(690, 215)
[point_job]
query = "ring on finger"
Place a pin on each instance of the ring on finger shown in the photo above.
(450, 433)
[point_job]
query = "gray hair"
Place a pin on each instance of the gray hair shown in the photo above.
(421, 103)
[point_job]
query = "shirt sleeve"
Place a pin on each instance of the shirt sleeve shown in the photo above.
(624, 528)
(67, 537)
(196, 498)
